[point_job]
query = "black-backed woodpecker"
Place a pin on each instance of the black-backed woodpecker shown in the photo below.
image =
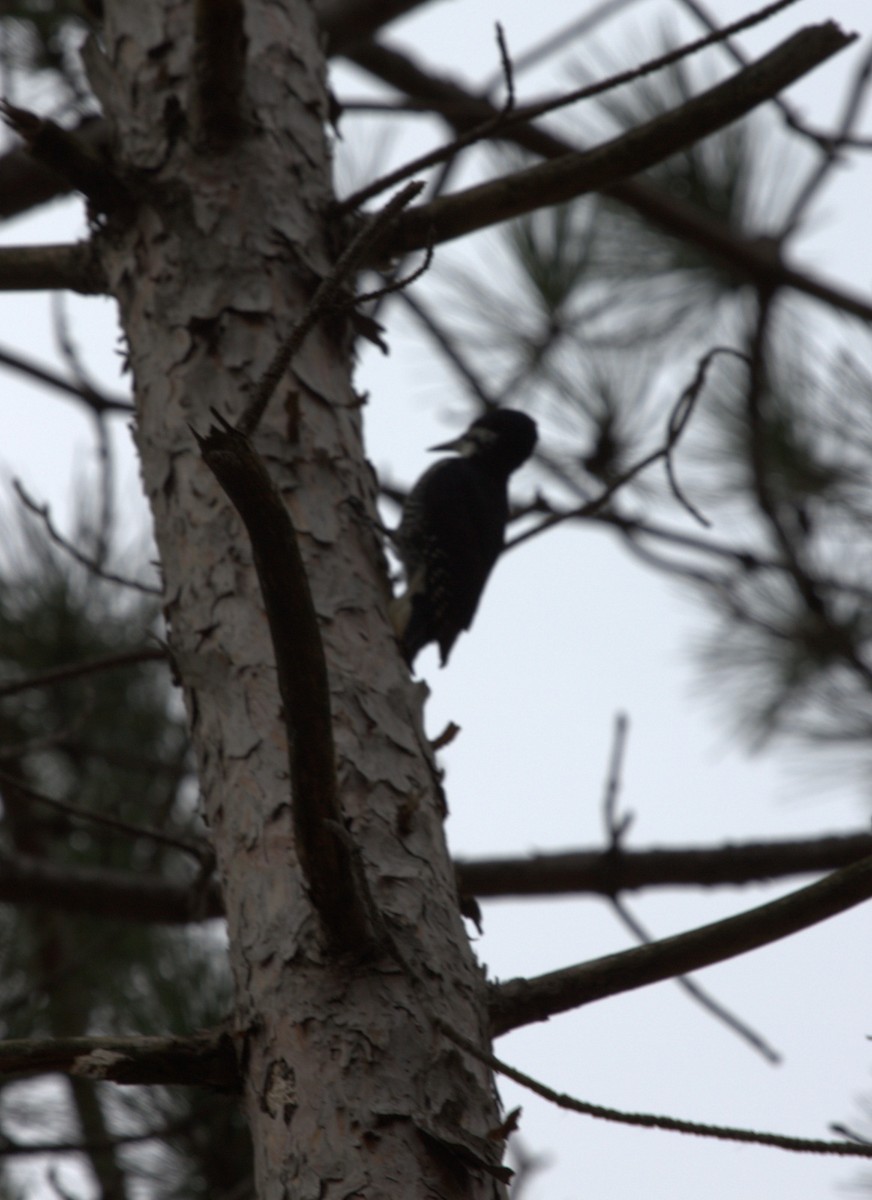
(453, 528)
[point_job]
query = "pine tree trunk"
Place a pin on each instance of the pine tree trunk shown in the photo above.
(351, 1089)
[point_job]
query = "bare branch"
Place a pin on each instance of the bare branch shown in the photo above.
(87, 395)
(726, 1133)
(46, 268)
(348, 22)
(113, 895)
(127, 897)
(202, 1060)
(573, 175)
(831, 148)
(509, 117)
(90, 667)
(744, 255)
(522, 1001)
(44, 513)
(198, 850)
(698, 994)
(72, 158)
(607, 872)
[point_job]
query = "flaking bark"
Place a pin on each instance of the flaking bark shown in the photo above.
(350, 1087)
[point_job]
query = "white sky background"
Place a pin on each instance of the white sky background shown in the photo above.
(571, 632)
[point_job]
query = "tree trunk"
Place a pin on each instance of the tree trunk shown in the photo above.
(351, 1088)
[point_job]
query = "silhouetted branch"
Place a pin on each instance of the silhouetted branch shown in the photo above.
(522, 1001)
(74, 159)
(503, 122)
(44, 513)
(198, 850)
(606, 872)
(699, 995)
(46, 268)
(575, 174)
(87, 395)
(101, 892)
(201, 1060)
(347, 22)
(726, 1133)
(744, 256)
(92, 666)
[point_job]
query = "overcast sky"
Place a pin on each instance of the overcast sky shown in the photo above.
(572, 632)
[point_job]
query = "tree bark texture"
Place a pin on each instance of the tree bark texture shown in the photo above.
(350, 1088)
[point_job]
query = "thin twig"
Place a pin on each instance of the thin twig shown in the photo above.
(560, 39)
(830, 150)
(510, 116)
(90, 667)
(398, 285)
(649, 1120)
(44, 513)
(744, 255)
(95, 400)
(202, 853)
(697, 993)
(442, 154)
(606, 165)
(616, 829)
(677, 423)
(507, 69)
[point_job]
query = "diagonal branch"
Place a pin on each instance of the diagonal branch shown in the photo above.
(500, 125)
(575, 174)
(73, 159)
(96, 401)
(90, 666)
(522, 1001)
(349, 22)
(726, 1133)
(744, 255)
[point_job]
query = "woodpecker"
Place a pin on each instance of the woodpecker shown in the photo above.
(453, 528)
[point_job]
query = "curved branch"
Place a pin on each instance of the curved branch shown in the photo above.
(575, 174)
(523, 1001)
(744, 255)
(335, 882)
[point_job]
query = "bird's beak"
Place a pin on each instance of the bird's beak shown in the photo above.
(459, 444)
